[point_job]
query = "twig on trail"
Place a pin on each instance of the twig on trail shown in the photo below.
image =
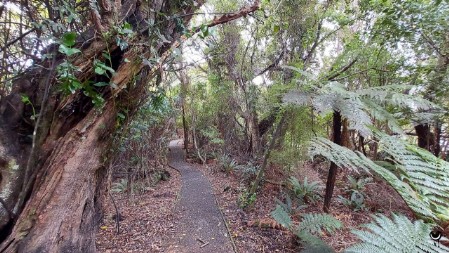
(117, 214)
(201, 241)
(234, 247)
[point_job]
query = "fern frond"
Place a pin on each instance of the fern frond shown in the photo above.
(395, 235)
(311, 224)
(379, 113)
(316, 222)
(281, 217)
(394, 95)
(313, 244)
(426, 174)
(297, 97)
(352, 109)
(359, 107)
(339, 155)
(418, 197)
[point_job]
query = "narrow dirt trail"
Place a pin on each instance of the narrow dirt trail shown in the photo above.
(201, 227)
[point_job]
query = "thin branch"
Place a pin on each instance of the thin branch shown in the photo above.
(217, 21)
(344, 69)
(17, 39)
(431, 43)
(15, 23)
(274, 64)
(315, 44)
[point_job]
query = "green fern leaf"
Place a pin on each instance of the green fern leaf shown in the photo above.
(399, 234)
(281, 216)
(316, 222)
(313, 244)
(427, 200)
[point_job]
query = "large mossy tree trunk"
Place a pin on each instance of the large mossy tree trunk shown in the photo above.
(52, 169)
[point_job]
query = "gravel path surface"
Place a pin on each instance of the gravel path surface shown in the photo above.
(201, 227)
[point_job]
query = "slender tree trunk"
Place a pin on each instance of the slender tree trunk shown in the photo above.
(437, 141)
(362, 144)
(253, 132)
(345, 135)
(186, 129)
(185, 81)
(332, 176)
(261, 172)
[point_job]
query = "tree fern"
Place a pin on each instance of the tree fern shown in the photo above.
(394, 95)
(313, 244)
(361, 106)
(419, 177)
(399, 234)
(379, 113)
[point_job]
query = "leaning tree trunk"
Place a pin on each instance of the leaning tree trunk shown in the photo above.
(51, 182)
(332, 176)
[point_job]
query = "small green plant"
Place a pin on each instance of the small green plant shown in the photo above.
(358, 185)
(67, 42)
(248, 171)
(305, 191)
(213, 135)
(123, 33)
(159, 175)
(246, 199)
(69, 83)
(102, 69)
(356, 201)
(26, 100)
(311, 225)
(66, 70)
(226, 163)
(121, 186)
(357, 195)
(289, 205)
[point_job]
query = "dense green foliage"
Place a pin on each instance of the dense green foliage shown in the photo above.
(363, 84)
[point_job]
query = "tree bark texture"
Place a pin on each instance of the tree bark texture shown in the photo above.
(332, 176)
(185, 81)
(52, 170)
(424, 136)
(437, 141)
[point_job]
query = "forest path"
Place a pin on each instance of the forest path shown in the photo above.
(201, 227)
